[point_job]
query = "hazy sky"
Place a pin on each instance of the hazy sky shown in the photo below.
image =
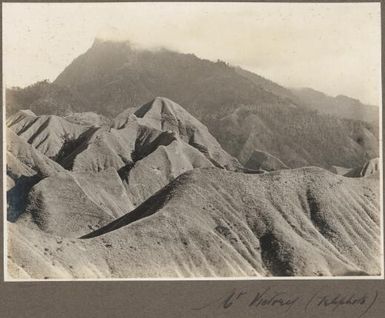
(335, 48)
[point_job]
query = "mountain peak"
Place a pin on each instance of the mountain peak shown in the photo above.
(161, 105)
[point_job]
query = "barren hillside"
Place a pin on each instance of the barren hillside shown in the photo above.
(240, 225)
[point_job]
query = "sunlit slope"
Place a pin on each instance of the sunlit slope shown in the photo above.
(211, 222)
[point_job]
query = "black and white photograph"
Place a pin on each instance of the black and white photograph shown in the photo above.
(188, 141)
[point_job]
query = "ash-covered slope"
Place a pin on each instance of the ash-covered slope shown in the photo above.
(169, 141)
(150, 148)
(26, 166)
(82, 147)
(212, 222)
(160, 167)
(70, 205)
(25, 160)
(44, 193)
(165, 115)
(88, 145)
(99, 148)
(153, 147)
(47, 133)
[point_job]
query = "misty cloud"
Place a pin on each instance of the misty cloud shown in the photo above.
(331, 47)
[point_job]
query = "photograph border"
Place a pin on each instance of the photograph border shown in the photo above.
(171, 296)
